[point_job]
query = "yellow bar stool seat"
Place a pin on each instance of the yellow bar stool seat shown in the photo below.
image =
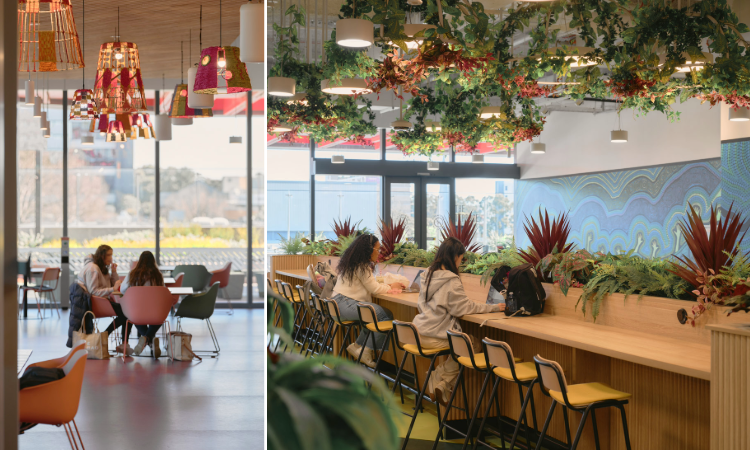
(480, 360)
(585, 394)
(381, 326)
(415, 350)
(524, 371)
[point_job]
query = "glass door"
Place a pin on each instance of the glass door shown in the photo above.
(402, 200)
(437, 209)
(424, 202)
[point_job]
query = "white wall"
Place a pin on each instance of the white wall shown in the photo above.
(580, 142)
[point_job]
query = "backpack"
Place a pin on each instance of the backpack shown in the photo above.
(526, 294)
(330, 277)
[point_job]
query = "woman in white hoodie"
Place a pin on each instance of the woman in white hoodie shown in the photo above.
(99, 277)
(442, 301)
(356, 283)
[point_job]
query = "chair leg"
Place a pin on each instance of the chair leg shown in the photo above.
(624, 426)
(596, 430)
(567, 423)
(398, 372)
(125, 344)
(78, 434)
(487, 411)
(295, 328)
(213, 336)
(55, 303)
(580, 428)
(443, 419)
(362, 351)
(529, 396)
(71, 436)
(344, 341)
(476, 408)
(419, 400)
(392, 337)
(416, 383)
(546, 425)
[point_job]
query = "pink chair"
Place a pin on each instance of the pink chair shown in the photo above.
(47, 286)
(146, 305)
(133, 264)
(222, 277)
(177, 283)
(102, 307)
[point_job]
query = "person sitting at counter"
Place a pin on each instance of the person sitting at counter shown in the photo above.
(356, 283)
(442, 301)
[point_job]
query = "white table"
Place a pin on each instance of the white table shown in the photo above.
(23, 357)
(181, 290)
(39, 270)
(167, 268)
(168, 280)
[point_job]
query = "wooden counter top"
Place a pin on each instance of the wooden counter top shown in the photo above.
(673, 355)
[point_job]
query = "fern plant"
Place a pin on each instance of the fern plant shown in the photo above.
(292, 246)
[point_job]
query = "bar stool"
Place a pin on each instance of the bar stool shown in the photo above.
(288, 293)
(584, 397)
(409, 343)
(507, 367)
(463, 353)
(304, 305)
(368, 317)
(346, 325)
(321, 330)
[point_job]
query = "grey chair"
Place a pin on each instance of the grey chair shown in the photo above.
(201, 307)
(196, 277)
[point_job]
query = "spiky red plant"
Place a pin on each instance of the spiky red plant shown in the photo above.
(390, 235)
(464, 232)
(546, 237)
(345, 227)
(711, 249)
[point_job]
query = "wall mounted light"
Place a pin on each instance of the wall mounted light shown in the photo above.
(337, 159)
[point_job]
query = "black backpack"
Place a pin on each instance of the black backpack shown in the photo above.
(526, 294)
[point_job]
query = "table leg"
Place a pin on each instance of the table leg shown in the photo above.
(25, 298)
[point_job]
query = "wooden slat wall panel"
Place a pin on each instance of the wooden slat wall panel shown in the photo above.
(730, 394)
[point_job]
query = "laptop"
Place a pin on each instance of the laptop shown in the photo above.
(415, 284)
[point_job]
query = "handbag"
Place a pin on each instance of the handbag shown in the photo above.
(179, 348)
(97, 345)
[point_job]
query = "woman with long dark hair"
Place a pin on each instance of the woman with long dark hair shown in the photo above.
(145, 273)
(99, 277)
(356, 283)
(442, 301)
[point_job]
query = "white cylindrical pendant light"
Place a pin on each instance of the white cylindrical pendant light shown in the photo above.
(37, 107)
(739, 114)
(347, 86)
(182, 121)
(619, 136)
(43, 121)
(431, 126)
(491, 112)
(87, 140)
(30, 92)
(356, 33)
(300, 98)
(477, 159)
(252, 33)
(235, 139)
(197, 101)
(46, 132)
(163, 127)
(538, 148)
(431, 165)
(337, 159)
(281, 128)
(282, 86)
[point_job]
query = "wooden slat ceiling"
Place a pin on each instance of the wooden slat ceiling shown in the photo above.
(156, 26)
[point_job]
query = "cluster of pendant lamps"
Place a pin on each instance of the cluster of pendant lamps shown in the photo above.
(48, 42)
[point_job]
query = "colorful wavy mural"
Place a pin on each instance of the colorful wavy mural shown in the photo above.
(631, 209)
(735, 180)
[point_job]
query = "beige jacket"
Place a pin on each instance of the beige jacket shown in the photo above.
(361, 287)
(95, 282)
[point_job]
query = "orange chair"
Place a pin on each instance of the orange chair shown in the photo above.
(146, 305)
(222, 277)
(56, 403)
(58, 362)
(102, 307)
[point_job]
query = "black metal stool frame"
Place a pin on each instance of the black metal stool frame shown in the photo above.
(338, 324)
(371, 335)
(591, 408)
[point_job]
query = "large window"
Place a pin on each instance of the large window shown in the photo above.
(340, 197)
(288, 192)
(491, 203)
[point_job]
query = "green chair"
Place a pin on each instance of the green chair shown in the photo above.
(196, 277)
(201, 307)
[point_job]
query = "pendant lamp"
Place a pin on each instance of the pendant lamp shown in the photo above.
(197, 100)
(179, 111)
(148, 125)
(220, 70)
(346, 86)
(235, 139)
(101, 123)
(43, 121)
(355, 33)
(46, 132)
(37, 107)
(48, 39)
(282, 86)
(477, 159)
(163, 130)
(432, 126)
(411, 30)
(116, 132)
(619, 136)
(739, 114)
(540, 148)
(29, 91)
(119, 87)
(84, 107)
(252, 32)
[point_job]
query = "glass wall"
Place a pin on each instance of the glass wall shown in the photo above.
(342, 197)
(491, 203)
(288, 192)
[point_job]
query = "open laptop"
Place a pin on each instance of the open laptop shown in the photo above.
(415, 285)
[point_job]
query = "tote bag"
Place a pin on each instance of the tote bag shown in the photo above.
(179, 348)
(97, 346)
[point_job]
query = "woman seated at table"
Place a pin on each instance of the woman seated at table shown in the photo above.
(356, 283)
(100, 278)
(145, 273)
(442, 301)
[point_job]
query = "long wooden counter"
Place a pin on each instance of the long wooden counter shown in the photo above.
(635, 345)
(687, 358)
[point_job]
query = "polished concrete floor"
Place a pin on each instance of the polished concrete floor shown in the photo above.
(147, 404)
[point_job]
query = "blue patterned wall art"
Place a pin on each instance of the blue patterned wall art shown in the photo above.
(631, 209)
(735, 181)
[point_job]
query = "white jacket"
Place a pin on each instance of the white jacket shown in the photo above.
(360, 287)
(95, 281)
(447, 302)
